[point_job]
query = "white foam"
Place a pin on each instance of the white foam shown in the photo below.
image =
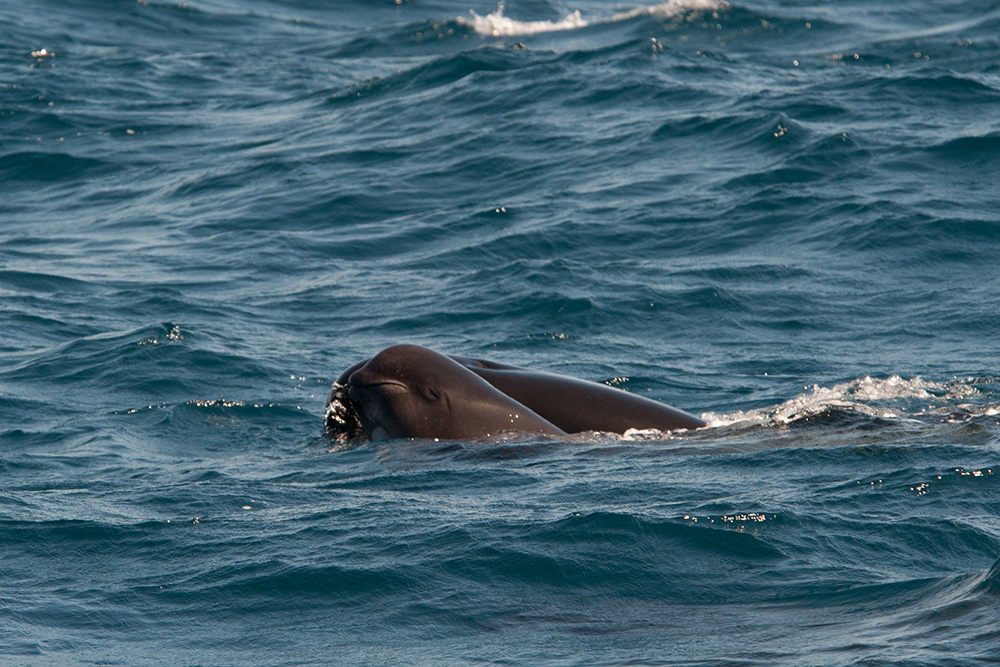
(498, 25)
(671, 8)
(857, 395)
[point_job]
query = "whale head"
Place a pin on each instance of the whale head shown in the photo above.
(409, 391)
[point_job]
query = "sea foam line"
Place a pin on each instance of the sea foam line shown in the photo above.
(856, 395)
(671, 8)
(496, 24)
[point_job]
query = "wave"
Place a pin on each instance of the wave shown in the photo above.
(51, 167)
(496, 24)
(888, 398)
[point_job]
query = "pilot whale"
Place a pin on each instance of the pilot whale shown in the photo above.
(410, 391)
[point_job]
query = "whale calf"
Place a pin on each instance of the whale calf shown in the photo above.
(410, 391)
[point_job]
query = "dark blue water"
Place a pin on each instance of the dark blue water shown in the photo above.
(783, 216)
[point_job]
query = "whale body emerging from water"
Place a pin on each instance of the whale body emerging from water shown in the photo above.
(409, 391)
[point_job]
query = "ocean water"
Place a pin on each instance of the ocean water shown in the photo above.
(783, 216)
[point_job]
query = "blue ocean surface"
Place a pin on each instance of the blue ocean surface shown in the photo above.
(781, 216)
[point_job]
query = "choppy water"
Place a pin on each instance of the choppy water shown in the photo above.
(781, 216)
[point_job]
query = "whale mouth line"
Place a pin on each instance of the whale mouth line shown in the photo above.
(369, 385)
(362, 391)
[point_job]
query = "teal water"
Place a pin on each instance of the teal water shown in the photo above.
(780, 216)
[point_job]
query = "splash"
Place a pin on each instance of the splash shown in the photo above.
(341, 421)
(498, 25)
(672, 8)
(886, 398)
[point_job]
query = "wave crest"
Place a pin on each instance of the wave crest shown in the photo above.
(496, 24)
(883, 398)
